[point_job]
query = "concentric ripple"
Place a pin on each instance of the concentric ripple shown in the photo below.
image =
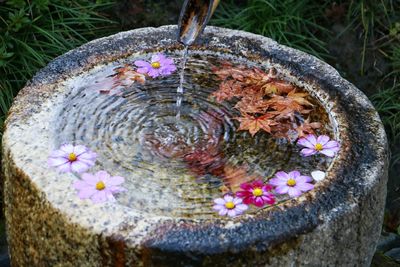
(172, 166)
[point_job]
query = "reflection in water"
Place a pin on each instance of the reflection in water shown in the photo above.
(174, 167)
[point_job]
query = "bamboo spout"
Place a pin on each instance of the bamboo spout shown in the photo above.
(194, 17)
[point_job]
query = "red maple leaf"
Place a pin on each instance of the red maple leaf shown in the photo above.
(254, 124)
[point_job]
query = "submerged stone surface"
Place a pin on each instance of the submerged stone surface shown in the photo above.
(336, 224)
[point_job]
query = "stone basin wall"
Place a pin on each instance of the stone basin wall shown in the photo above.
(337, 224)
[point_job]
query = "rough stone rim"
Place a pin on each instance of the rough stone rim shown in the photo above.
(321, 207)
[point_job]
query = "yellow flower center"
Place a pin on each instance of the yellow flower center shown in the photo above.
(100, 185)
(229, 205)
(291, 182)
(156, 64)
(72, 157)
(257, 192)
(318, 147)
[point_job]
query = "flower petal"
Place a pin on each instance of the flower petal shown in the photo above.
(232, 213)
(219, 201)
(87, 192)
(218, 207)
(89, 178)
(58, 153)
(312, 139)
(154, 73)
(115, 180)
(322, 139)
(228, 198)
(304, 179)
(282, 189)
(79, 149)
(99, 197)
(88, 155)
(304, 142)
(79, 166)
(103, 175)
(143, 70)
(328, 152)
(304, 186)
(223, 211)
(142, 64)
(294, 192)
(242, 207)
(318, 175)
(294, 174)
(308, 152)
(54, 162)
(67, 148)
(277, 182)
(332, 145)
(237, 200)
(281, 175)
(65, 167)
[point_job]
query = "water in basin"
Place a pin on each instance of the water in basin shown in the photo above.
(176, 166)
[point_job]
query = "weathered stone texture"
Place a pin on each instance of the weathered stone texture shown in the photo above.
(338, 224)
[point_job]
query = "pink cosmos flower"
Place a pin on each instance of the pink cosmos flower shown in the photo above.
(292, 183)
(160, 65)
(314, 145)
(99, 187)
(229, 205)
(70, 158)
(256, 193)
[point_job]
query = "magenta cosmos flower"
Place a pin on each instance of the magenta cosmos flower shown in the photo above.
(160, 65)
(229, 205)
(314, 145)
(256, 193)
(99, 187)
(292, 183)
(70, 158)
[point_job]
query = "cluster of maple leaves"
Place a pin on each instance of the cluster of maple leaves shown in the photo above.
(265, 102)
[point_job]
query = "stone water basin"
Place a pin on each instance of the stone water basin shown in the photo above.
(165, 217)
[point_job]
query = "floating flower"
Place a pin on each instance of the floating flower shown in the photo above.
(160, 65)
(318, 175)
(314, 145)
(99, 187)
(70, 158)
(292, 183)
(256, 193)
(229, 205)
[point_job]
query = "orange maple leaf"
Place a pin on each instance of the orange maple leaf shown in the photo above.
(307, 127)
(277, 87)
(290, 103)
(254, 124)
(252, 103)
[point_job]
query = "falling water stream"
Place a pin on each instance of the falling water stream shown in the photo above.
(180, 88)
(174, 167)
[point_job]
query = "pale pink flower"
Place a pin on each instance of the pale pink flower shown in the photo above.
(292, 183)
(70, 158)
(314, 145)
(229, 205)
(99, 187)
(160, 65)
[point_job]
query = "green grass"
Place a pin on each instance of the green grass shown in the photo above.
(376, 20)
(34, 32)
(290, 22)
